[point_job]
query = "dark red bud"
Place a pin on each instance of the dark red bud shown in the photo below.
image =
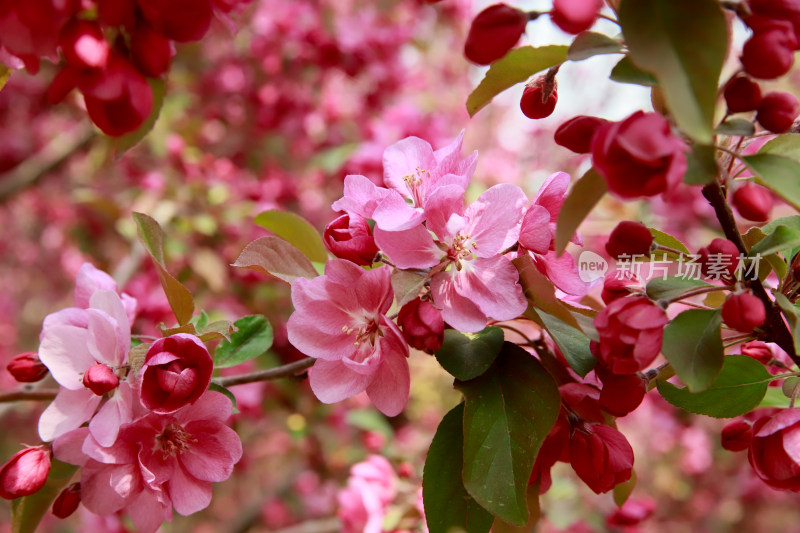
(769, 53)
(777, 111)
(537, 101)
(494, 32)
(760, 351)
(753, 202)
(576, 133)
(575, 16)
(719, 259)
(615, 287)
(350, 237)
(621, 393)
(67, 501)
(151, 51)
(100, 379)
(27, 368)
(84, 45)
(736, 436)
(742, 94)
(631, 238)
(422, 325)
(743, 312)
(25, 473)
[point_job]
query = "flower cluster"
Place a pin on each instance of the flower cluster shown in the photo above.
(156, 437)
(443, 262)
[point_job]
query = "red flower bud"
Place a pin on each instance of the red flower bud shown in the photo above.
(350, 237)
(621, 393)
(537, 101)
(601, 456)
(773, 450)
(151, 51)
(176, 372)
(719, 260)
(422, 325)
(583, 400)
(760, 351)
(769, 53)
(25, 473)
(179, 20)
(742, 94)
(631, 238)
(27, 368)
(575, 16)
(753, 202)
(494, 32)
(84, 44)
(100, 379)
(576, 133)
(119, 99)
(67, 501)
(632, 512)
(615, 287)
(116, 12)
(631, 331)
(743, 312)
(736, 436)
(777, 111)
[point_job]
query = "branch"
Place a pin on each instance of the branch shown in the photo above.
(775, 327)
(28, 395)
(284, 371)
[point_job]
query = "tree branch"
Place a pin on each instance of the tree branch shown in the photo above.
(29, 395)
(284, 371)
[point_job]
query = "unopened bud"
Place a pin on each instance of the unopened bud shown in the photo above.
(753, 202)
(494, 32)
(100, 379)
(777, 111)
(27, 368)
(422, 325)
(539, 98)
(743, 312)
(67, 502)
(25, 473)
(631, 238)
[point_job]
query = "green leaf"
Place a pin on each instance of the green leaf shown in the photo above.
(448, 505)
(622, 491)
(253, 338)
(28, 511)
(665, 239)
(792, 315)
(588, 44)
(626, 72)
(790, 222)
(777, 173)
(782, 238)
(468, 355)
(701, 165)
(517, 66)
(509, 411)
(407, 285)
(296, 231)
(693, 346)
(219, 329)
(671, 287)
(683, 43)
(738, 127)
(582, 198)
(534, 514)
(540, 291)
(787, 145)
(178, 296)
(129, 140)
(774, 398)
(273, 255)
(572, 342)
(740, 387)
(227, 392)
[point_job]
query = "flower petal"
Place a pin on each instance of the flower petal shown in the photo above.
(333, 382)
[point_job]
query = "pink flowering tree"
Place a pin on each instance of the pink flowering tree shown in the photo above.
(551, 353)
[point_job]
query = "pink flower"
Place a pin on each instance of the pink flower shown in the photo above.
(158, 462)
(73, 341)
(90, 279)
(340, 319)
(413, 171)
(471, 279)
(370, 489)
(25, 473)
(176, 371)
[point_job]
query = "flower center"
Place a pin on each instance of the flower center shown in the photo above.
(461, 249)
(416, 185)
(174, 440)
(369, 331)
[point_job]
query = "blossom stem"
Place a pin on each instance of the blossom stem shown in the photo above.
(284, 371)
(698, 291)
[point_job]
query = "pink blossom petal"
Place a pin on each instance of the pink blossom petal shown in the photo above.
(390, 386)
(333, 382)
(211, 405)
(188, 494)
(394, 214)
(406, 157)
(111, 303)
(461, 313)
(148, 513)
(69, 410)
(535, 233)
(343, 272)
(494, 219)
(96, 493)
(440, 208)
(562, 272)
(307, 337)
(69, 447)
(118, 410)
(71, 316)
(213, 456)
(63, 350)
(413, 248)
(88, 280)
(459, 180)
(361, 196)
(449, 159)
(552, 193)
(374, 291)
(493, 285)
(103, 341)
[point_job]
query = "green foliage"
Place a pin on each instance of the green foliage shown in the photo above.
(780, 239)
(540, 292)
(296, 231)
(572, 342)
(693, 346)
(273, 255)
(665, 239)
(778, 173)
(448, 505)
(468, 355)
(509, 411)
(683, 43)
(739, 388)
(227, 392)
(701, 165)
(737, 127)
(28, 511)
(589, 44)
(672, 287)
(582, 198)
(129, 140)
(178, 296)
(253, 338)
(406, 285)
(792, 314)
(787, 145)
(626, 72)
(517, 66)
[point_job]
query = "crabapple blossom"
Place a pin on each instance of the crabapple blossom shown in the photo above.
(27, 368)
(25, 473)
(67, 501)
(340, 319)
(631, 330)
(422, 325)
(773, 450)
(601, 456)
